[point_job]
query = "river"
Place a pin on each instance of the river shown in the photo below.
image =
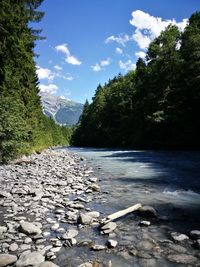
(168, 181)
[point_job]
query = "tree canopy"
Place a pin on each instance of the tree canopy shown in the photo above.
(155, 106)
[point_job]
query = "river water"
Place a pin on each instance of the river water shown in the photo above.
(168, 181)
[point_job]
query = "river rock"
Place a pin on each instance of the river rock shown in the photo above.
(13, 247)
(29, 228)
(70, 234)
(85, 219)
(30, 259)
(147, 211)
(182, 258)
(112, 243)
(87, 264)
(97, 247)
(195, 234)
(48, 264)
(177, 237)
(108, 228)
(7, 259)
(144, 223)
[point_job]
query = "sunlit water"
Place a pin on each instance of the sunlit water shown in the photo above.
(168, 181)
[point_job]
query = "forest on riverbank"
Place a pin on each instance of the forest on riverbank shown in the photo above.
(23, 126)
(157, 105)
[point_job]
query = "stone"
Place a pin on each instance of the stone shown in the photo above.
(94, 187)
(182, 258)
(112, 243)
(86, 264)
(195, 234)
(13, 247)
(177, 237)
(85, 219)
(108, 228)
(147, 211)
(71, 233)
(97, 247)
(55, 226)
(48, 264)
(28, 240)
(7, 259)
(29, 228)
(3, 229)
(30, 259)
(93, 214)
(144, 223)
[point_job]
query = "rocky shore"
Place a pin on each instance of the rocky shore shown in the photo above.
(49, 209)
(40, 196)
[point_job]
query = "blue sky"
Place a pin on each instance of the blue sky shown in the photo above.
(89, 41)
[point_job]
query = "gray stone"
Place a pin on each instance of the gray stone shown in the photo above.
(29, 228)
(97, 247)
(85, 219)
(148, 211)
(112, 243)
(7, 259)
(195, 234)
(144, 223)
(48, 264)
(31, 259)
(108, 228)
(71, 233)
(182, 258)
(13, 247)
(3, 229)
(177, 237)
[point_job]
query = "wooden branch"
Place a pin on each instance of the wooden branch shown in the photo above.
(121, 213)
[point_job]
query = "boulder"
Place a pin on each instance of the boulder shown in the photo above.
(177, 237)
(195, 234)
(147, 211)
(30, 259)
(70, 234)
(7, 259)
(182, 258)
(29, 228)
(112, 243)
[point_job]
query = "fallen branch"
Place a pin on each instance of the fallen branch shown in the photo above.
(121, 213)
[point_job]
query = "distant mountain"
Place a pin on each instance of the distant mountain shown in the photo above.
(63, 111)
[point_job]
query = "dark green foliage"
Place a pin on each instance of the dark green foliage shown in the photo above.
(23, 127)
(155, 106)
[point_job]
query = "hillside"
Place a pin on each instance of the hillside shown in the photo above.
(63, 111)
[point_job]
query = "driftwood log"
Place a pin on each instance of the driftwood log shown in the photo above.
(121, 213)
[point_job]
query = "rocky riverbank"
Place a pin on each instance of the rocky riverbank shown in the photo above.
(51, 211)
(41, 201)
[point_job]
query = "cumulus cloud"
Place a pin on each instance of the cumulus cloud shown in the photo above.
(57, 67)
(99, 66)
(148, 27)
(44, 73)
(128, 65)
(73, 60)
(140, 54)
(121, 39)
(119, 50)
(70, 59)
(50, 88)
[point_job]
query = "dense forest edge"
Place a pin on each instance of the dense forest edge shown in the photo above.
(23, 126)
(155, 106)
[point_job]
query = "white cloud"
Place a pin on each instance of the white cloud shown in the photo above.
(70, 59)
(119, 50)
(63, 48)
(50, 88)
(140, 54)
(96, 67)
(57, 67)
(44, 73)
(121, 39)
(73, 60)
(99, 66)
(128, 65)
(148, 27)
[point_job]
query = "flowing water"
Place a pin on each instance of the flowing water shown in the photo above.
(168, 181)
